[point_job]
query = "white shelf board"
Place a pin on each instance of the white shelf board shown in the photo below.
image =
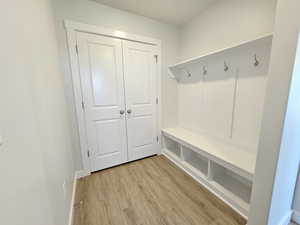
(229, 156)
(195, 59)
(175, 68)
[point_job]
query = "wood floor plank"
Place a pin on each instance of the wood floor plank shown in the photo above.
(151, 191)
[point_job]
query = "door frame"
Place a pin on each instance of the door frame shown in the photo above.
(72, 28)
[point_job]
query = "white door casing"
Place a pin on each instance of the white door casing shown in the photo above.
(140, 75)
(101, 70)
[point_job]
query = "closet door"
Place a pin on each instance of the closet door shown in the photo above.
(140, 72)
(101, 72)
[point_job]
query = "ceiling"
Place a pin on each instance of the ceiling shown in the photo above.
(176, 12)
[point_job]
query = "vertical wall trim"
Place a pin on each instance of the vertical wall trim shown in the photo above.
(234, 102)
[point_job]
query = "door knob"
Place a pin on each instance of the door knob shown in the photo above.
(129, 111)
(122, 112)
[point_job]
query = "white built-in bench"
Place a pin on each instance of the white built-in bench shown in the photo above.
(224, 169)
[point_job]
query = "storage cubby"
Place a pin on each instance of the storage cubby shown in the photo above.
(222, 168)
(195, 160)
(172, 146)
(232, 182)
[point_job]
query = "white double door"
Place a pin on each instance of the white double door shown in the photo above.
(119, 88)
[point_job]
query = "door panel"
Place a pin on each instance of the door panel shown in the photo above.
(107, 130)
(145, 124)
(140, 76)
(101, 72)
(140, 72)
(104, 77)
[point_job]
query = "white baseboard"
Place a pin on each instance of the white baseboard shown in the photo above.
(286, 219)
(296, 216)
(81, 173)
(71, 216)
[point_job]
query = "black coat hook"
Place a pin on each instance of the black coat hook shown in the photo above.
(226, 68)
(256, 62)
(188, 73)
(204, 70)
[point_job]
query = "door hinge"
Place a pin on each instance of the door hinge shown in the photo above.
(82, 105)
(156, 100)
(76, 48)
(156, 58)
(88, 153)
(157, 139)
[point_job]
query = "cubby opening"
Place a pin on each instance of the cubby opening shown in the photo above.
(195, 160)
(172, 146)
(232, 182)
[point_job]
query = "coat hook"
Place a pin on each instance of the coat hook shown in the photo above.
(256, 63)
(188, 73)
(226, 68)
(204, 70)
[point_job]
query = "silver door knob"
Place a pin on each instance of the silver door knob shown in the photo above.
(122, 112)
(129, 111)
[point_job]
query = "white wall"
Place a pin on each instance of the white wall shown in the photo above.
(96, 14)
(35, 158)
(224, 24)
(278, 157)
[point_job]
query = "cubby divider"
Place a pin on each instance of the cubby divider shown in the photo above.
(209, 172)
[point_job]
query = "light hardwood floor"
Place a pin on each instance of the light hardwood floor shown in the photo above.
(152, 191)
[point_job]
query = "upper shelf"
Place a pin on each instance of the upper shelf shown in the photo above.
(232, 157)
(176, 70)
